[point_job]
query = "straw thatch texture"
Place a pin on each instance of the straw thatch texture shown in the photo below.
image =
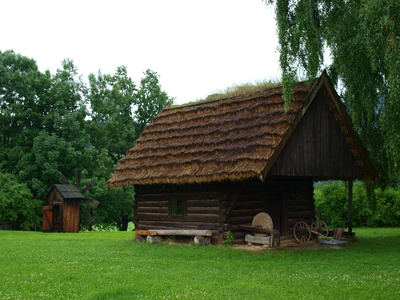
(228, 139)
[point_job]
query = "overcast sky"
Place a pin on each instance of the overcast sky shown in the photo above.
(197, 47)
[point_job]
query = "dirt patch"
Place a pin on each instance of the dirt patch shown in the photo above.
(293, 245)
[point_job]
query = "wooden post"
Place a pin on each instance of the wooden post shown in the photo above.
(350, 207)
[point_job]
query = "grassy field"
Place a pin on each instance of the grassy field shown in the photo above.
(110, 265)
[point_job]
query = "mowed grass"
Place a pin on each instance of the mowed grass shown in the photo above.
(110, 265)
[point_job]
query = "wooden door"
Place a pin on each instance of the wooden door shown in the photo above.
(47, 225)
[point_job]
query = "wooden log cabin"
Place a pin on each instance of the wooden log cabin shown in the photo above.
(214, 165)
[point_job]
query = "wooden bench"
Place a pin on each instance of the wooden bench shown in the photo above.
(275, 237)
(155, 235)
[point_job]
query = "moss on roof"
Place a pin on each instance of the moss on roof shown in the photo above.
(235, 90)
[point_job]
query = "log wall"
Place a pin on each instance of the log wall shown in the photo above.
(223, 206)
(202, 203)
(287, 200)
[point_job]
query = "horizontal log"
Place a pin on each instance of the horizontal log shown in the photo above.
(203, 203)
(155, 210)
(300, 202)
(300, 214)
(185, 232)
(294, 208)
(255, 229)
(240, 220)
(250, 204)
(203, 210)
(143, 196)
(164, 217)
(168, 225)
(152, 203)
(245, 212)
(145, 232)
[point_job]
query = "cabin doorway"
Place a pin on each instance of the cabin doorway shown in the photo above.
(274, 207)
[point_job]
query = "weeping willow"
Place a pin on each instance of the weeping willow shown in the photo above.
(362, 38)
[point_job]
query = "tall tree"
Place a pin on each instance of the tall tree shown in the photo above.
(52, 124)
(111, 100)
(150, 99)
(65, 105)
(22, 87)
(363, 39)
(58, 145)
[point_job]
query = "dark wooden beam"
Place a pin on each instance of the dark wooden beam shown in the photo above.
(350, 207)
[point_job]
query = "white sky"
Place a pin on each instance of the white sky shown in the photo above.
(197, 47)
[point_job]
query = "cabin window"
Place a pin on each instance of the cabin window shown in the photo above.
(177, 207)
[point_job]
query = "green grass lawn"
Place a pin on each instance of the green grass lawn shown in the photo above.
(110, 265)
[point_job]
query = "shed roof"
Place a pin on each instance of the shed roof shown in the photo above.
(69, 191)
(233, 138)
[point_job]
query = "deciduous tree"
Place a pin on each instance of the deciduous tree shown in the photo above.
(111, 99)
(150, 99)
(362, 38)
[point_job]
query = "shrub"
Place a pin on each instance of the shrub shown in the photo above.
(17, 204)
(331, 201)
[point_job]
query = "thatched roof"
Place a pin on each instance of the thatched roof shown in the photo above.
(229, 139)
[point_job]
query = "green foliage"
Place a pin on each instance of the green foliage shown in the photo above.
(240, 89)
(111, 100)
(363, 41)
(150, 99)
(229, 238)
(51, 124)
(17, 204)
(331, 201)
(22, 87)
(103, 265)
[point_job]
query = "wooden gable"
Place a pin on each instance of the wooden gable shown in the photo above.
(322, 143)
(317, 148)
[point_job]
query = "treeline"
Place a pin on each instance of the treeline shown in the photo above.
(52, 124)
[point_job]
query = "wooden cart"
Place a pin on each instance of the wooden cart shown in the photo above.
(303, 232)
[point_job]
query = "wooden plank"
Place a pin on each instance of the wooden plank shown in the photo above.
(145, 232)
(145, 225)
(186, 232)
(254, 229)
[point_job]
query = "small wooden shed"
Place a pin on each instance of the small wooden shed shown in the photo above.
(213, 165)
(62, 213)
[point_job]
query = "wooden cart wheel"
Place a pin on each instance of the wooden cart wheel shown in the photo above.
(302, 232)
(320, 227)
